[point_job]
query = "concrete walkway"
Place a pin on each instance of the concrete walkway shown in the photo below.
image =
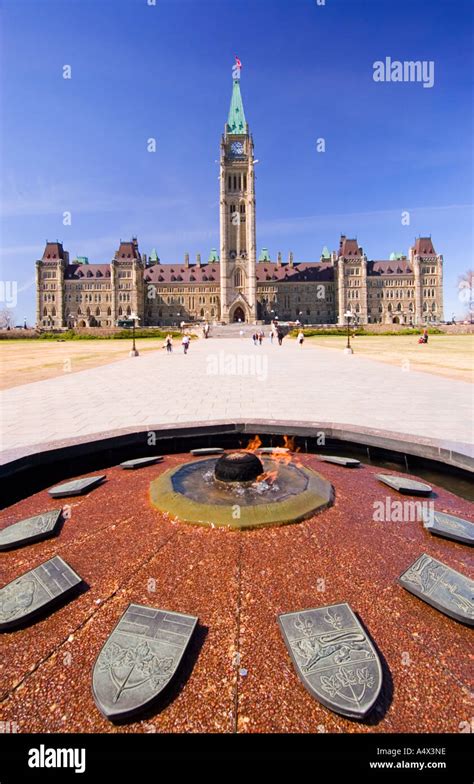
(227, 379)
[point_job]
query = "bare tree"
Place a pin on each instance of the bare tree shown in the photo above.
(466, 292)
(6, 318)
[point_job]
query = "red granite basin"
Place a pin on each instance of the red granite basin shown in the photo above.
(237, 674)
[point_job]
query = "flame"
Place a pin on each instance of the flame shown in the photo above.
(289, 443)
(281, 457)
(253, 444)
(267, 476)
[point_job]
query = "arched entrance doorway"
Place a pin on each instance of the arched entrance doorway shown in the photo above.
(239, 315)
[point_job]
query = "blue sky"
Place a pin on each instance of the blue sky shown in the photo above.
(164, 71)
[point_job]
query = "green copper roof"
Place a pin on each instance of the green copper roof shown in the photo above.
(213, 256)
(82, 260)
(236, 120)
(264, 255)
(325, 254)
(153, 255)
(396, 256)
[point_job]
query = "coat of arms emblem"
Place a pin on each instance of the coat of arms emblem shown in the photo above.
(139, 659)
(334, 658)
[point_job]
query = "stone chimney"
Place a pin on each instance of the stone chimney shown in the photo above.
(290, 260)
(186, 260)
(198, 260)
(279, 259)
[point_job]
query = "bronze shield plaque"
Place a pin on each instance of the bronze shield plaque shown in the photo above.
(35, 591)
(404, 485)
(76, 486)
(139, 659)
(334, 658)
(444, 588)
(450, 527)
(30, 530)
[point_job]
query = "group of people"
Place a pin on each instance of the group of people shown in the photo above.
(275, 332)
(424, 337)
(185, 342)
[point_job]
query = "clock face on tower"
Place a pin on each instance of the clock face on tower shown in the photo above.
(237, 148)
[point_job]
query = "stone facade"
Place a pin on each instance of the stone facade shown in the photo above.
(233, 285)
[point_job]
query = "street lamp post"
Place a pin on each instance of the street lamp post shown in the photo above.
(348, 317)
(134, 352)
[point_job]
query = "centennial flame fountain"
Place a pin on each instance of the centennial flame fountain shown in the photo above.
(241, 490)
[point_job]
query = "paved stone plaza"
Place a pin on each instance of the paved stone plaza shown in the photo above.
(225, 379)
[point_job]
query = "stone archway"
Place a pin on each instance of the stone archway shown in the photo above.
(238, 314)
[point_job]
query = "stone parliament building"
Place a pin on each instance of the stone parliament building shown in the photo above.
(233, 285)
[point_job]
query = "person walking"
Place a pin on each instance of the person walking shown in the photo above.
(260, 336)
(185, 341)
(280, 336)
(271, 337)
(300, 338)
(169, 344)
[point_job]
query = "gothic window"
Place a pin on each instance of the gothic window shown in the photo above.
(97, 311)
(235, 182)
(120, 311)
(245, 182)
(230, 183)
(45, 312)
(238, 278)
(109, 312)
(129, 312)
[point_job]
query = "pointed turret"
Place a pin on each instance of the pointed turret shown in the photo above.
(236, 123)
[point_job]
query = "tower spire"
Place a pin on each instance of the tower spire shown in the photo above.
(236, 122)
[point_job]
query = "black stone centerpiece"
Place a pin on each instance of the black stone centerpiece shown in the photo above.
(238, 467)
(240, 490)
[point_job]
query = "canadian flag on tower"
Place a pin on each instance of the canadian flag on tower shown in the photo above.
(237, 61)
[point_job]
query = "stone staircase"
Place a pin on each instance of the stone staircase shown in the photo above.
(234, 330)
